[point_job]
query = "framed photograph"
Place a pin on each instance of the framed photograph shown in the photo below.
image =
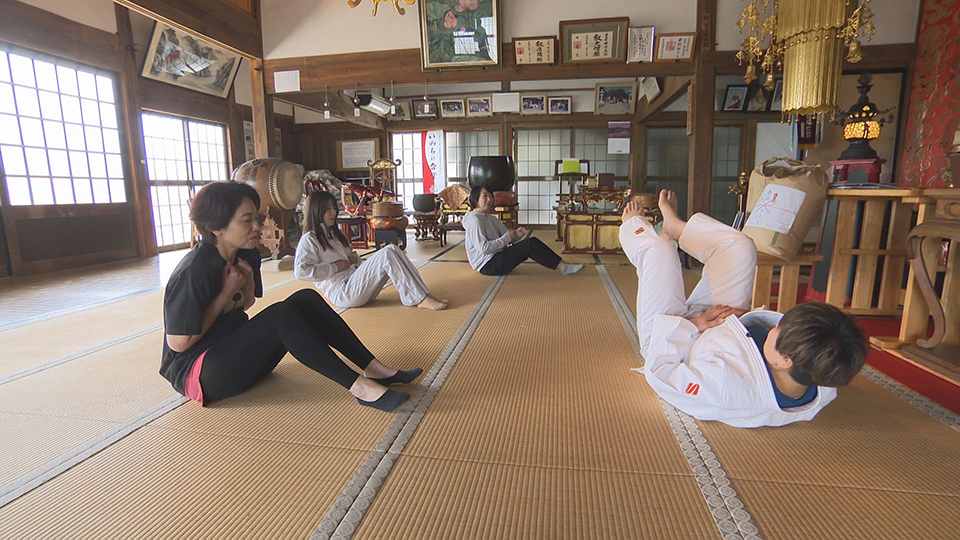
(560, 104)
(451, 108)
(594, 41)
(459, 34)
(533, 104)
(353, 155)
(425, 108)
(640, 44)
(177, 58)
(776, 101)
(675, 47)
(616, 98)
(735, 99)
(401, 112)
(479, 106)
(758, 99)
(535, 50)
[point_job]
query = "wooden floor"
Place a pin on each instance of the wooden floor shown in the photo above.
(528, 423)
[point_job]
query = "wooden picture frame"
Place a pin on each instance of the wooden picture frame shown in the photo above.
(574, 36)
(451, 108)
(424, 108)
(676, 47)
(758, 99)
(615, 98)
(352, 155)
(403, 111)
(735, 98)
(525, 50)
(776, 100)
(533, 104)
(477, 107)
(559, 105)
(444, 27)
(172, 58)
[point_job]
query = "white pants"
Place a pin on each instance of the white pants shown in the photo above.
(368, 280)
(729, 262)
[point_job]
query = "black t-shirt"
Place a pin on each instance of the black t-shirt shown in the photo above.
(192, 286)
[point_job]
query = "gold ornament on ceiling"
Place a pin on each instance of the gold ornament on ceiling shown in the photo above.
(806, 39)
(376, 4)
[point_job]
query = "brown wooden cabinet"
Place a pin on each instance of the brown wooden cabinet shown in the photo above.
(591, 232)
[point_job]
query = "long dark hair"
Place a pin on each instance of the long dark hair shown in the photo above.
(317, 203)
(215, 204)
(474, 197)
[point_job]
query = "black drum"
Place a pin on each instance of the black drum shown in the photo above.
(425, 202)
(496, 173)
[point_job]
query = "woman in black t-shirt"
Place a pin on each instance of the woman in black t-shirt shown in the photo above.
(213, 351)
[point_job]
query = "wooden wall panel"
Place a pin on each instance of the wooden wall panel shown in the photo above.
(40, 30)
(56, 237)
(317, 145)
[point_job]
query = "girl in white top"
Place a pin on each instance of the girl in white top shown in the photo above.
(487, 242)
(324, 256)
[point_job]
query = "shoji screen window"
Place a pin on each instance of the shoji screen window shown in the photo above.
(667, 165)
(182, 156)
(726, 171)
(591, 143)
(408, 148)
(537, 152)
(59, 134)
(462, 145)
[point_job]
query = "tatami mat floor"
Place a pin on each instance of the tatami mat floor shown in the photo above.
(528, 424)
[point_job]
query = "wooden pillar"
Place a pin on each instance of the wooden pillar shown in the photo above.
(703, 97)
(638, 161)
(264, 142)
(133, 141)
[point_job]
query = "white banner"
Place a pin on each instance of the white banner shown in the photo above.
(434, 153)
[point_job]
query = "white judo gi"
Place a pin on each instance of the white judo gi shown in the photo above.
(718, 374)
(358, 284)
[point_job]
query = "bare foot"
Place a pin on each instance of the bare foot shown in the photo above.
(672, 224)
(432, 303)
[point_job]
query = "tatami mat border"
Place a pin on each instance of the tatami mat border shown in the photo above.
(35, 478)
(725, 505)
(347, 512)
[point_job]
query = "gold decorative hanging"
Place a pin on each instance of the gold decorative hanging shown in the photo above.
(807, 38)
(376, 4)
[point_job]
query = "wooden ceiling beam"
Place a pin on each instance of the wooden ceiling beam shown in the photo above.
(673, 88)
(217, 21)
(377, 69)
(341, 107)
(875, 58)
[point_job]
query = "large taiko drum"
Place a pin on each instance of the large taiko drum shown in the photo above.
(278, 182)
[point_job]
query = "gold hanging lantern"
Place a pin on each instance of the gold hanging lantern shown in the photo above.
(376, 4)
(806, 37)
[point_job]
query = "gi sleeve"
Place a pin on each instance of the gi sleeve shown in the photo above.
(308, 263)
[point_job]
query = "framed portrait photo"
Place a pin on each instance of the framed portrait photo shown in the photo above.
(451, 108)
(533, 104)
(594, 41)
(615, 98)
(177, 58)
(560, 104)
(735, 98)
(425, 108)
(776, 100)
(758, 99)
(401, 111)
(479, 106)
(675, 47)
(459, 34)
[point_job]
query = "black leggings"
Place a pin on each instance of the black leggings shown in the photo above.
(304, 325)
(507, 259)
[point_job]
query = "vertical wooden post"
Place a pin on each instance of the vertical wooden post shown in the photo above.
(916, 314)
(703, 102)
(951, 290)
(638, 161)
(264, 142)
(133, 141)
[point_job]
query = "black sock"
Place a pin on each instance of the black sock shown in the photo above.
(389, 401)
(400, 377)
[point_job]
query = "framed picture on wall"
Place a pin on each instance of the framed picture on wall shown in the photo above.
(675, 47)
(594, 41)
(615, 98)
(535, 50)
(776, 100)
(758, 99)
(560, 104)
(353, 155)
(479, 106)
(401, 111)
(735, 99)
(425, 108)
(640, 44)
(461, 34)
(451, 108)
(533, 104)
(177, 58)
